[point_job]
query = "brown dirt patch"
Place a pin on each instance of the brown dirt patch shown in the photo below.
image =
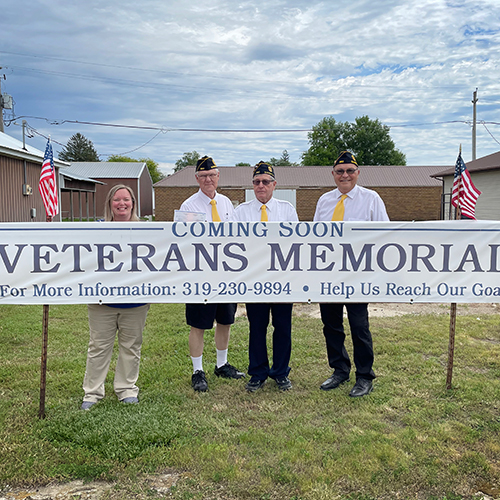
(389, 309)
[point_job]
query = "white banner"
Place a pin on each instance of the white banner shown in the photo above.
(179, 262)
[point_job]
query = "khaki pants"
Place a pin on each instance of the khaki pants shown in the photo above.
(104, 323)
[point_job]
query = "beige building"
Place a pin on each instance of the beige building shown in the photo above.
(410, 193)
(485, 174)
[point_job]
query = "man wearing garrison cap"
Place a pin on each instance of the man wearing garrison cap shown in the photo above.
(349, 202)
(201, 317)
(267, 208)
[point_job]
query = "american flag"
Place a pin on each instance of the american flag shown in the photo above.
(464, 193)
(47, 185)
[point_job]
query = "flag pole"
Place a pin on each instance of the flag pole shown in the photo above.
(45, 343)
(48, 159)
(451, 344)
(43, 369)
(453, 316)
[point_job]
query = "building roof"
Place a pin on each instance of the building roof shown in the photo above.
(75, 177)
(489, 162)
(313, 177)
(14, 148)
(107, 169)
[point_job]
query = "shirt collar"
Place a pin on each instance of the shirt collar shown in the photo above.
(351, 194)
(268, 205)
(204, 197)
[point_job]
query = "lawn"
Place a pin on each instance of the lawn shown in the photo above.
(411, 438)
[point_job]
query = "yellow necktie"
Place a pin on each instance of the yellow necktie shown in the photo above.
(215, 214)
(338, 213)
(263, 215)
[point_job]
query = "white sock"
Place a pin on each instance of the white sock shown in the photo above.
(221, 357)
(197, 363)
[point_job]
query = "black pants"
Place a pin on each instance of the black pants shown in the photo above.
(258, 317)
(333, 329)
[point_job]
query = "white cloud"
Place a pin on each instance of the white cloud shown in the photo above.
(166, 168)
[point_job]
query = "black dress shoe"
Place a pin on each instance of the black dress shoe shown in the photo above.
(284, 383)
(362, 387)
(334, 381)
(254, 385)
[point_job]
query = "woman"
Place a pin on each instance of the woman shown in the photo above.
(106, 320)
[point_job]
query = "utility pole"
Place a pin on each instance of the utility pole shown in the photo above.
(5, 101)
(1, 104)
(474, 101)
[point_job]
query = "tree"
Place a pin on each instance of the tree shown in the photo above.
(187, 159)
(371, 143)
(243, 164)
(78, 148)
(154, 171)
(369, 140)
(283, 161)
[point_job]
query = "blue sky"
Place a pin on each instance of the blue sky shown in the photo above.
(154, 67)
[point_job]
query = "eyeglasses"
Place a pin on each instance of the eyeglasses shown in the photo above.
(266, 182)
(341, 171)
(207, 176)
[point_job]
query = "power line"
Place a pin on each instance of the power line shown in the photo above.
(132, 68)
(139, 147)
(161, 129)
(34, 131)
(487, 130)
(31, 131)
(225, 77)
(397, 92)
(164, 129)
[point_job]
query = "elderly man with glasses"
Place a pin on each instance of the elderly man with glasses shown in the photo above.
(266, 208)
(201, 317)
(349, 202)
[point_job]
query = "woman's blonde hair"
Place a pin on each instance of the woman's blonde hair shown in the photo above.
(108, 213)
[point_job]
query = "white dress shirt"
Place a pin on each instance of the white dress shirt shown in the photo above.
(277, 211)
(200, 202)
(360, 204)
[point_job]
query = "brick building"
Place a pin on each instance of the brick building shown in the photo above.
(409, 193)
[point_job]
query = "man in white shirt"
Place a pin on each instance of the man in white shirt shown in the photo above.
(201, 317)
(267, 208)
(349, 202)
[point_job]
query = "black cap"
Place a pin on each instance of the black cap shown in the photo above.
(263, 168)
(205, 163)
(346, 157)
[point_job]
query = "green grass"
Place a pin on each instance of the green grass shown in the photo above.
(411, 438)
